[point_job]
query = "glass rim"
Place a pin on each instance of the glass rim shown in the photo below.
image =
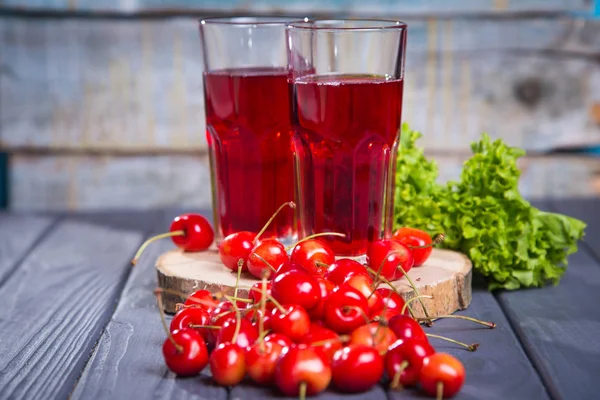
(252, 20)
(371, 24)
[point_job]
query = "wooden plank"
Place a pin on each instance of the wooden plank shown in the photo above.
(558, 325)
(587, 210)
(85, 183)
(345, 6)
(19, 234)
(109, 182)
(56, 304)
(139, 87)
(4, 184)
(128, 362)
(499, 369)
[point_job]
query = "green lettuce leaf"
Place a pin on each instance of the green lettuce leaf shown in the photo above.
(483, 215)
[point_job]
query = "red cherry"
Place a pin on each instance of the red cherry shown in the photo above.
(221, 312)
(302, 366)
(391, 302)
(313, 255)
(280, 339)
(407, 328)
(293, 321)
(286, 267)
(261, 361)
(356, 368)
(247, 334)
(412, 237)
(296, 287)
(191, 316)
(203, 299)
(364, 284)
(385, 315)
(198, 234)
(323, 340)
(404, 360)
(224, 312)
(271, 251)
(373, 335)
(189, 356)
(255, 293)
(235, 247)
(344, 268)
(380, 250)
(345, 309)
(227, 364)
(327, 287)
(189, 232)
(442, 372)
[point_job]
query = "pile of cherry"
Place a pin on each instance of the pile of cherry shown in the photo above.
(311, 320)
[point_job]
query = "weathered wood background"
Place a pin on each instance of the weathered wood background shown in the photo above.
(100, 110)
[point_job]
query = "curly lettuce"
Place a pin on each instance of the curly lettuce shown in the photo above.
(510, 242)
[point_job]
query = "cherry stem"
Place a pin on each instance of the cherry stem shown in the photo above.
(437, 239)
(359, 310)
(204, 326)
(341, 339)
(290, 204)
(407, 304)
(158, 293)
(372, 292)
(470, 347)
(314, 236)
(238, 319)
(237, 279)
(383, 311)
(394, 289)
(277, 304)
(265, 261)
(302, 393)
(490, 325)
(263, 310)
(152, 239)
(378, 273)
(374, 335)
(412, 284)
(439, 390)
(240, 299)
(395, 384)
(224, 313)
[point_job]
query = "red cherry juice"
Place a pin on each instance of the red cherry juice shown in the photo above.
(249, 137)
(347, 133)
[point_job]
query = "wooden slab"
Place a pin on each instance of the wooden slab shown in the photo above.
(446, 276)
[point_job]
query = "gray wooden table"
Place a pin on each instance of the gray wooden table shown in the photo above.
(76, 320)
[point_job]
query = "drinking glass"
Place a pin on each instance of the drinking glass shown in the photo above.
(347, 84)
(248, 124)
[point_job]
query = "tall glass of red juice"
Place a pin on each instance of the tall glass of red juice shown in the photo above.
(346, 79)
(248, 124)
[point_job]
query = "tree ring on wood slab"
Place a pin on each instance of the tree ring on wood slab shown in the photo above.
(446, 276)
